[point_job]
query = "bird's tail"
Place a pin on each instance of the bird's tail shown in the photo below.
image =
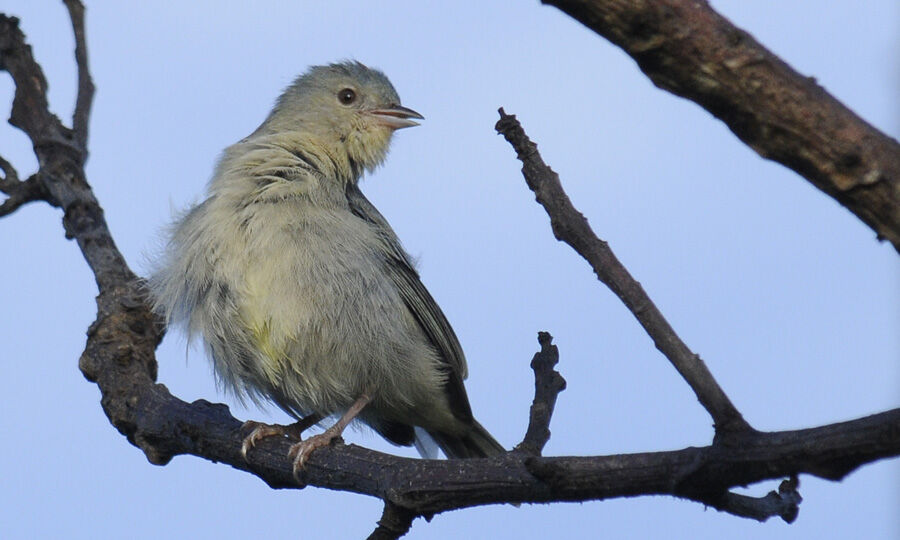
(476, 443)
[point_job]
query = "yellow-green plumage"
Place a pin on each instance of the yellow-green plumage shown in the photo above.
(298, 286)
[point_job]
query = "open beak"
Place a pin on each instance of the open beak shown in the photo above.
(396, 117)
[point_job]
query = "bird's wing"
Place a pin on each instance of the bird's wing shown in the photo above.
(417, 298)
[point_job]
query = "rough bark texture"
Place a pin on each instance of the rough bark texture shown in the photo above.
(119, 355)
(570, 226)
(687, 48)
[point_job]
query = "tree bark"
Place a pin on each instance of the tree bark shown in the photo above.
(688, 49)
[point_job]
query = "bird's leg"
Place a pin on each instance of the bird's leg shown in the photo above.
(260, 431)
(301, 450)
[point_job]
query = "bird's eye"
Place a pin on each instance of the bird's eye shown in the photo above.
(347, 96)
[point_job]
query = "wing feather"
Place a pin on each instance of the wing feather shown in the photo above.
(419, 301)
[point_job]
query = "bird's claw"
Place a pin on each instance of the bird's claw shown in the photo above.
(301, 451)
(259, 432)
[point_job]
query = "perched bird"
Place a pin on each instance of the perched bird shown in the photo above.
(301, 290)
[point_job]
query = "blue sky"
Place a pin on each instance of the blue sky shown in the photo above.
(786, 295)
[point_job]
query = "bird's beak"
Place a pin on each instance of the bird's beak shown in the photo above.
(396, 117)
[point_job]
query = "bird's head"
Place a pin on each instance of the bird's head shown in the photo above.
(344, 107)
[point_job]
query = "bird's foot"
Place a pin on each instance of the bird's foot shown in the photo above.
(301, 451)
(258, 432)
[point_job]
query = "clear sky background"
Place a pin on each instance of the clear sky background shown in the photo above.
(786, 295)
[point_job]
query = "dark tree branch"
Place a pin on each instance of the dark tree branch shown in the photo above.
(571, 227)
(61, 157)
(548, 383)
(164, 426)
(85, 97)
(10, 179)
(21, 193)
(394, 523)
(687, 48)
(17, 192)
(784, 503)
(30, 111)
(119, 357)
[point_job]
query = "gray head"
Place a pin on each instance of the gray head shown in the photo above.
(344, 106)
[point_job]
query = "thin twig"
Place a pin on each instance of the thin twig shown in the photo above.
(18, 192)
(83, 102)
(21, 193)
(571, 227)
(10, 178)
(548, 383)
(784, 503)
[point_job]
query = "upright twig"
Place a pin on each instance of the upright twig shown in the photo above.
(571, 227)
(548, 383)
(85, 97)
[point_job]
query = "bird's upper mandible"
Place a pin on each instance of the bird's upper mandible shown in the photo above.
(350, 109)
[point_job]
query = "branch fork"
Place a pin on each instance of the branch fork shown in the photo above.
(119, 355)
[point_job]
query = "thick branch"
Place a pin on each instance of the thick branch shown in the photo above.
(687, 48)
(164, 426)
(572, 228)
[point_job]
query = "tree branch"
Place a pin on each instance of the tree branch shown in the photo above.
(164, 426)
(686, 48)
(85, 96)
(571, 227)
(548, 383)
(30, 111)
(784, 503)
(394, 523)
(119, 357)
(61, 156)
(18, 192)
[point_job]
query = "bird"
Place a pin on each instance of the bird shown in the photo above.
(300, 289)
